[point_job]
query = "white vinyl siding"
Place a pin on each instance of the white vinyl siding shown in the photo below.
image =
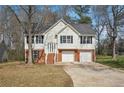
(54, 36)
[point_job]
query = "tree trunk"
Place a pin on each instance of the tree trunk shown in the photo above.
(113, 50)
(30, 49)
(30, 36)
(99, 48)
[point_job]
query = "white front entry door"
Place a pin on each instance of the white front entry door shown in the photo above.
(85, 56)
(67, 56)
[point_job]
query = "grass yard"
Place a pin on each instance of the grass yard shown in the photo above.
(21, 75)
(107, 60)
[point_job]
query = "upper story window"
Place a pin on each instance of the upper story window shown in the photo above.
(39, 39)
(85, 39)
(32, 39)
(66, 39)
(27, 39)
(89, 39)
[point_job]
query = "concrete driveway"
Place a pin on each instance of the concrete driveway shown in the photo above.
(94, 75)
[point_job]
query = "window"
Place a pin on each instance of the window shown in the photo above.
(66, 39)
(63, 39)
(89, 40)
(85, 39)
(32, 39)
(39, 39)
(27, 39)
(51, 47)
(35, 54)
(82, 39)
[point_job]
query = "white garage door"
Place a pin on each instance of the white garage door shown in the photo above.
(85, 56)
(67, 56)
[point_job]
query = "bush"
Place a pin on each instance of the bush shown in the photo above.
(15, 55)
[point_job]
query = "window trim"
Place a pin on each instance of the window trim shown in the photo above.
(86, 39)
(35, 55)
(39, 39)
(27, 39)
(90, 40)
(66, 39)
(32, 38)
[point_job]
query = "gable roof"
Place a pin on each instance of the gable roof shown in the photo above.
(70, 28)
(61, 20)
(79, 28)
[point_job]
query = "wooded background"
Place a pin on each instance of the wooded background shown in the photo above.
(106, 21)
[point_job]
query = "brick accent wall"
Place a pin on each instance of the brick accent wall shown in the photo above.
(50, 58)
(59, 56)
(41, 58)
(94, 55)
(77, 56)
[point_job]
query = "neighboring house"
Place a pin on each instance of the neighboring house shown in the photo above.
(3, 52)
(63, 42)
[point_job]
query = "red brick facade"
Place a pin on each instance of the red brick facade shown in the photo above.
(59, 57)
(41, 58)
(77, 56)
(50, 56)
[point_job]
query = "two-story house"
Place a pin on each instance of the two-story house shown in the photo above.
(63, 42)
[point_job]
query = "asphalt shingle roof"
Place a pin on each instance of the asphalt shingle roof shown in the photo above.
(81, 28)
(84, 28)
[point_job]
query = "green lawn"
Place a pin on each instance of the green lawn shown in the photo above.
(38, 75)
(107, 60)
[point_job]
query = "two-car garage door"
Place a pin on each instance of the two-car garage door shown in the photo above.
(69, 56)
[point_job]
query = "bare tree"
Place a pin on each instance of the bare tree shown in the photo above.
(114, 15)
(28, 27)
(99, 24)
(33, 20)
